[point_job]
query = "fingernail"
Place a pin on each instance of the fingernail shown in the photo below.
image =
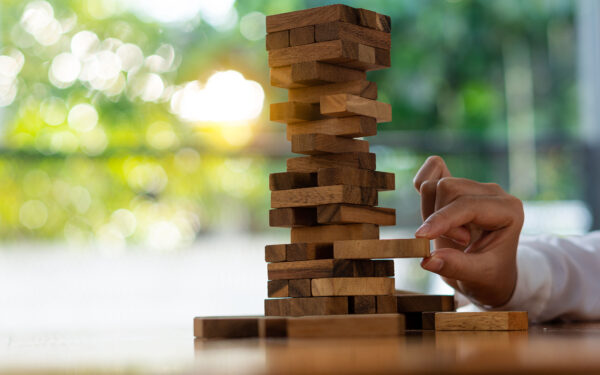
(433, 264)
(423, 230)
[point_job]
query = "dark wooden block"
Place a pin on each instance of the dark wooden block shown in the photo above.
(377, 21)
(291, 180)
(428, 320)
(303, 306)
(225, 327)
(272, 327)
(293, 217)
(347, 214)
(356, 177)
(314, 196)
(312, 94)
(277, 307)
(299, 288)
(362, 305)
(312, 16)
(352, 33)
(277, 288)
(275, 253)
(315, 144)
(360, 160)
(292, 112)
(279, 39)
(386, 305)
(331, 233)
(327, 268)
(309, 251)
(353, 126)
(424, 302)
(302, 35)
(311, 73)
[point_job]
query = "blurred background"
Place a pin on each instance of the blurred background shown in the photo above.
(135, 145)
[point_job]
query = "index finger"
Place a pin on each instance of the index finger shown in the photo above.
(433, 169)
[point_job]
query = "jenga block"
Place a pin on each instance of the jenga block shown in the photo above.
(310, 197)
(269, 326)
(362, 305)
(356, 177)
(282, 77)
(323, 268)
(293, 217)
(313, 16)
(353, 126)
(302, 35)
(339, 52)
(306, 306)
(352, 105)
(346, 214)
(226, 327)
(346, 326)
(277, 307)
(352, 33)
(330, 233)
(316, 144)
(312, 94)
(275, 253)
(352, 286)
(277, 288)
(369, 249)
(368, 18)
(481, 321)
(415, 303)
(359, 160)
(298, 251)
(318, 73)
(299, 288)
(386, 304)
(279, 39)
(291, 180)
(291, 112)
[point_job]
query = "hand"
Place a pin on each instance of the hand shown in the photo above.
(476, 229)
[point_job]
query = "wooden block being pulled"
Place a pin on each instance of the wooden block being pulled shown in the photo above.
(291, 112)
(318, 73)
(356, 177)
(299, 288)
(352, 33)
(312, 16)
(414, 303)
(279, 39)
(306, 306)
(226, 327)
(310, 197)
(291, 180)
(382, 249)
(353, 105)
(312, 94)
(324, 268)
(277, 288)
(331, 233)
(316, 144)
(481, 321)
(347, 214)
(361, 160)
(377, 21)
(293, 217)
(352, 286)
(362, 304)
(353, 126)
(302, 35)
(346, 326)
(298, 251)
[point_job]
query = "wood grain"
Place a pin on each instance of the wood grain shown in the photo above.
(306, 306)
(414, 303)
(348, 159)
(298, 251)
(356, 177)
(292, 112)
(346, 326)
(293, 217)
(347, 214)
(324, 268)
(319, 73)
(352, 33)
(299, 288)
(302, 35)
(225, 327)
(331, 233)
(312, 16)
(373, 20)
(310, 197)
(279, 39)
(282, 77)
(277, 288)
(353, 105)
(353, 126)
(312, 94)
(291, 180)
(317, 144)
(369, 249)
(362, 304)
(352, 286)
(481, 321)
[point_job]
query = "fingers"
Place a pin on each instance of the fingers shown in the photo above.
(456, 265)
(433, 169)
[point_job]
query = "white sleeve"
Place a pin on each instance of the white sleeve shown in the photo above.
(558, 278)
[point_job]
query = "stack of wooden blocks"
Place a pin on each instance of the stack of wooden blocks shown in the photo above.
(335, 277)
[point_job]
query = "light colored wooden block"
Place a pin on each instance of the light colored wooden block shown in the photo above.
(226, 327)
(310, 197)
(317, 144)
(352, 105)
(312, 94)
(382, 249)
(356, 177)
(352, 126)
(346, 326)
(302, 35)
(312, 16)
(352, 33)
(331, 233)
(291, 112)
(481, 321)
(352, 286)
(279, 39)
(282, 77)
(361, 160)
(346, 214)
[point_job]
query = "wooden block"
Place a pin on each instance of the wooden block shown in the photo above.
(373, 249)
(352, 33)
(352, 105)
(386, 304)
(225, 327)
(356, 177)
(346, 214)
(277, 307)
(331, 233)
(362, 305)
(318, 73)
(324, 268)
(428, 321)
(272, 327)
(299, 288)
(481, 321)
(317, 144)
(348, 159)
(279, 39)
(293, 217)
(369, 58)
(298, 251)
(353, 126)
(346, 326)
(306, 306)
(424, 302)
(310, 197)
(275, 253)
(370, 19)
(291, 112)
(302, 35)
(352, 286)
(312, 94)
(291, 180)
(277, 288)
(282, 77)
(312, 16)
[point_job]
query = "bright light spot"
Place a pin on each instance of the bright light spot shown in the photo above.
(149, 87)
(131, 56)
(53, 111)
(37, 15)
(49, 34)
(216, 13)
(93, 142)
(219, 14)
(161, 136)
(187, 160)
(84, 43)
(9, 68)
(33, 214)
(125, 221)
(111, 44)
(163, 236)
(162, 61)
(150, 178)
(226, 97)
(236, 136)
(81, 199)
(253, 26)
(108, 65)
(83, 117)
(64, 70)
(8, 94)
(115, 86)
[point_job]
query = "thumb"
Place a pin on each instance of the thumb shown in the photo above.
(455, 264)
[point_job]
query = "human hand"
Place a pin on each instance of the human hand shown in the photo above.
(475, 227)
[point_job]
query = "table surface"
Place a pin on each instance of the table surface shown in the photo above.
(544, 349)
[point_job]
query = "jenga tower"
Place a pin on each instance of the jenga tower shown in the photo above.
(329, 197)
